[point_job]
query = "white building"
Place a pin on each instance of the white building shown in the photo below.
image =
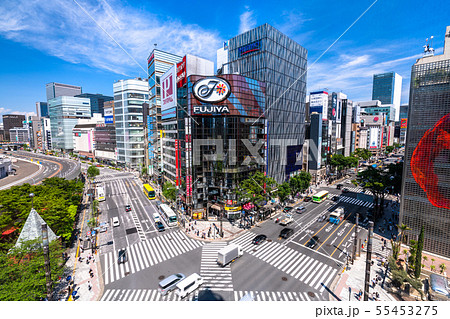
(84, 135)
(129, 95)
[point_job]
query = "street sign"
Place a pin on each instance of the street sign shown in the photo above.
(88, 233)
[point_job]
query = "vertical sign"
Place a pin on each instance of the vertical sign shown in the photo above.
(181, 73)
(168, 91)
(176, 163)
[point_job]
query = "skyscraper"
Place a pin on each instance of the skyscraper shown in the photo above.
(129, 96)
(426, 179)
(158, 63)
(11, 121)
(42, 109)
(265, 54)
(97, 101)
(54, 89)
(387, 88)
(64, 113)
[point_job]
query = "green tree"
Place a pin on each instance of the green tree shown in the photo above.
(22, 273)
(389, 149)
(418, 262)
(362, 154)
(283, 191)
(169, 191)
(92, 171)
(256, 189)
(443, 267)
(300, 182)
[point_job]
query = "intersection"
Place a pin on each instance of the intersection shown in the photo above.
(278, 269)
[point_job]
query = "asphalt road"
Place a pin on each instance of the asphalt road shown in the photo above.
(278, 269)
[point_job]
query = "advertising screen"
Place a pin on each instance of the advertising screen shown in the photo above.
(404, 123)
(181, 73)
(373, 142)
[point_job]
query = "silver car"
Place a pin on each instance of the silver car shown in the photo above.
(169, 283)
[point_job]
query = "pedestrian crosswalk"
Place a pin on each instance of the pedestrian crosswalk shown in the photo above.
(143, 295)
(278, 296)
(112, 177)
(304, 268)
(215, 277)
(377, 247)
(147, 253)
(356, 189)
(154, 295)
(355, 201)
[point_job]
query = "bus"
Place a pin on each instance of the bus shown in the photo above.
(320, 197)
(149, 191)
(337, 216)
(168, 214)
(100, 194)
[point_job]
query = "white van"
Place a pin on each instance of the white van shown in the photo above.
(188, 285)
(116, 221)
(156, 217)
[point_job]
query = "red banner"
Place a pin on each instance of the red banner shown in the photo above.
(176, 163)
(181, 73)
(404, 123)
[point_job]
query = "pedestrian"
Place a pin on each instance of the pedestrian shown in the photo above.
(89, 286)
(378, 295)
(382, 248)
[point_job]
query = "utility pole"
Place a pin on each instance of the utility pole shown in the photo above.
(368, 262)
(355, 239)
(48, 277)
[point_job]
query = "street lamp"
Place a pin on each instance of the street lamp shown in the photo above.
(32, 195)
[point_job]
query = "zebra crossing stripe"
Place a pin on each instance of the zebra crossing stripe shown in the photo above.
(318, 275)
(323, 281)
(306, 267)
(148, 251)
(312, 267)
(140, 247)
(162, 248)
(269, 248)
(289, 259)
(293, 265)
(300, 266)
(313, 273)
(280, 256)
(156, 252)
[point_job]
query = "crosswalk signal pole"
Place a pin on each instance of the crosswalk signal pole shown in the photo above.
(368, 262)
(355, 239)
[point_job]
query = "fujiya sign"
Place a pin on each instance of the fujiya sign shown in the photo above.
(209, 109)
(211, 90)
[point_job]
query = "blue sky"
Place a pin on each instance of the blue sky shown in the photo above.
(57, 41)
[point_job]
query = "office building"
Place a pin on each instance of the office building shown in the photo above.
(129, 96)
(376, 108)
(403, 123)
(20, 135)
(158, 63)
(42, 109)
(267, 55)
(36, 132)
(315, 166)
(105, 137)
(46, 133)
(64, 113)
(11, 121)
(387, 88)
(97, 101)
(336, 104)
(221, 140)
(426, 185)
(54, 90)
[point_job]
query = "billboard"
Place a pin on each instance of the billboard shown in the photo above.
(333, 106)
(168, 89)
(181, 72)
(318, 102)
(403, 123)
(373, 142)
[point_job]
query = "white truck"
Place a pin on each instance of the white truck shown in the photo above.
(287, 220)
(228, 254)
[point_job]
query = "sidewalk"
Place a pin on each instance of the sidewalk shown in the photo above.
(352, 280)
(79, 270)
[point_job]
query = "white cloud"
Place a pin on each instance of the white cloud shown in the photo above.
(247, 20)
(4, 110)
(60, 28)
(353, 74)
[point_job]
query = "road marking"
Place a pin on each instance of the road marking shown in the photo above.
(340, 224)
(316, 233)
(342, 240)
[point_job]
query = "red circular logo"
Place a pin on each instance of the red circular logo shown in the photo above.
(375, 119)
(334, 112)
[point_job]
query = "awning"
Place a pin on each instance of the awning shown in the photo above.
(216, 207)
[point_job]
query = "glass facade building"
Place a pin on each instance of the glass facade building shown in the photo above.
(129, 96)
(426, 179)
(218, 149)
(54, 90)
(387, 88)
(267, 55)
(158, 63)
(64, 113)
(97, 102)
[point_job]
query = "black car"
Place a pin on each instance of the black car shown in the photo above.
(335, 198)
(345, 190)
(122, 256)
(286, 232)
(160, 226)
(339, 186)
(287, 209)
(312, 242)
(259, 239)
(307, 199)
(127, 208)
